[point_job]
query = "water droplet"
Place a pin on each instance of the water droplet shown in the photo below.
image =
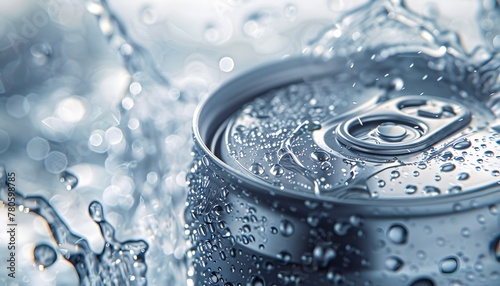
(393, 263)
(323, 254)
(421, 255)
(257, 281)
(440, 241)
(462, 144)
(355, 220)
(478, 266)
(446, 156)
(69, 180)
(96, 211)
(381, 183)
(326, 166)
(421, 166)
(285, 256)
(395, 174)
(397, 83)
(313, 125)
(496, 248)
(431, 191)
(454, 189)
(286, 228)
(246, 228)
(481, 219)
(448, 167)
(205, 161)
(341, 228)
(214, 278)
(313, 221)
(465, 232)
(257, 169)
(277, 170)
(416, 173)
(222, 255)
(489, 154)
(410, 189)
(462, 176)
(427, 229)
(320, 156)
(448, 265)
(494, 209)
(423, 282)
(44, 255)
(397, 234)
(495, 173)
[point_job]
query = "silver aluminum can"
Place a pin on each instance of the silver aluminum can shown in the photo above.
(353, 171)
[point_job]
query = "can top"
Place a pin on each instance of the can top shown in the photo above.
(389, 130)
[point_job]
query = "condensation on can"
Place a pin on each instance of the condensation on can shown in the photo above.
(332, 205)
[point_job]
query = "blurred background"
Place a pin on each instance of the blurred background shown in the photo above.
(96, 101)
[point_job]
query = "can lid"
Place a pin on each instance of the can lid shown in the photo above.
(396, 130)
(399, 126)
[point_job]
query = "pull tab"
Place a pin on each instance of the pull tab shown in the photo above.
(403, 125)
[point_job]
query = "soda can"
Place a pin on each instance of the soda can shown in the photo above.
(353, 171)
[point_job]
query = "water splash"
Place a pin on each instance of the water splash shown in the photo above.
(119, 263)
(150, 159)
(140, 143)
(134, 56)
(390, 28)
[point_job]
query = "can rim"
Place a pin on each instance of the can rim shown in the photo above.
(283, 72)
